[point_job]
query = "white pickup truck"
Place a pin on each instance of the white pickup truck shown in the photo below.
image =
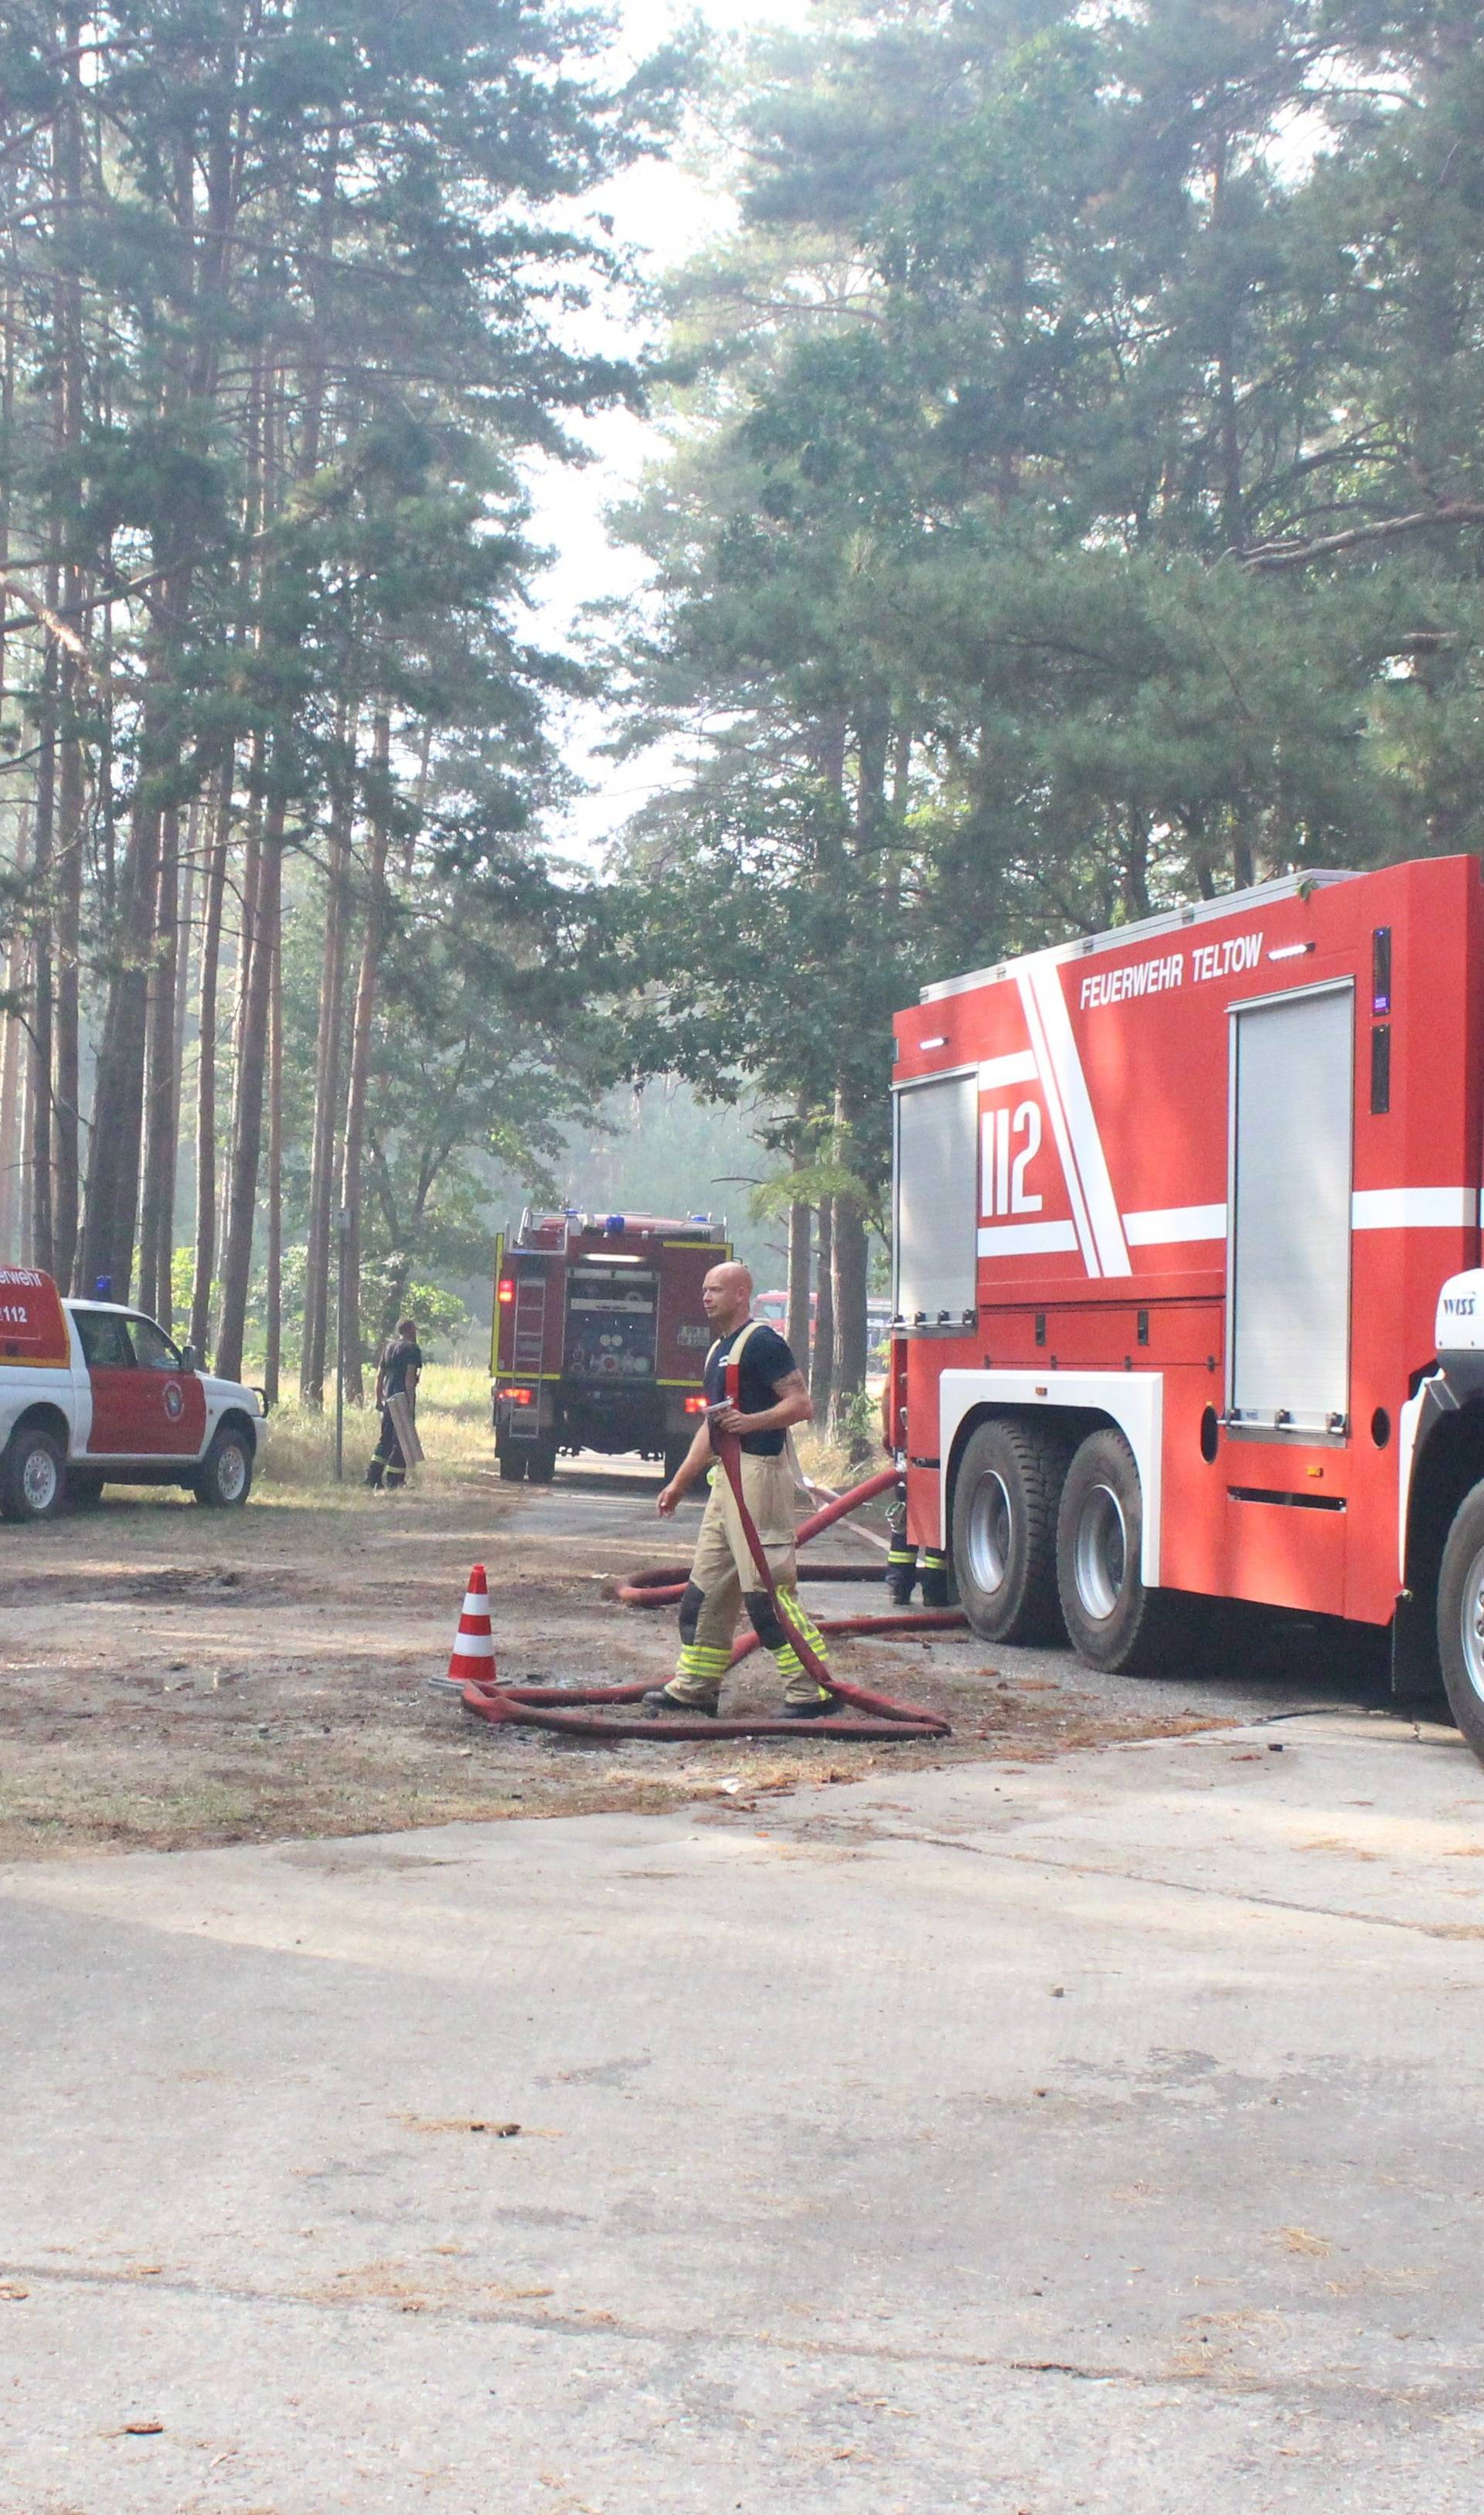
(94, 1394)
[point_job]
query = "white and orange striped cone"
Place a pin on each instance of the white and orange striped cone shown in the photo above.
(474, 1645)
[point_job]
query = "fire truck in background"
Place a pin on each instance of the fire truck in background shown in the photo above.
(598, 1337)
(1188, 1301)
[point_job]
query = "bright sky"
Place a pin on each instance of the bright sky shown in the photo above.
(668, 212)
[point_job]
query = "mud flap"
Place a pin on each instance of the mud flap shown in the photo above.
(1416, 1674)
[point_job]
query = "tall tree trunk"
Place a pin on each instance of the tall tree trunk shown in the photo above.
(272, 1358)
(247, 1144)
(252, 871)
(372, 939)
(195, 821)
(849, 1270)
(12, 1088)
(327, 1086)
(39, 1080)
(799, 1231)
(67, 187)
(69, 1084)
(161, 1108)
(12, 1074)
(113, 1167)
(823, 1366)
(206, 1072)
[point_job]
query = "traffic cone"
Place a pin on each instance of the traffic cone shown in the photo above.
(474, 1645)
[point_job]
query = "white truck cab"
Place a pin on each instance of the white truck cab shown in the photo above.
(95, 1393)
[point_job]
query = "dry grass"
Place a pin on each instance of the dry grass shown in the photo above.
(453, 1419)
(827, 1462)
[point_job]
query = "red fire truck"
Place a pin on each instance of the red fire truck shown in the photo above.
(1188, 1302)
(599, 1337)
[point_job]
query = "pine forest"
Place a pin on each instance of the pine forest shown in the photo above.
(1064, 498)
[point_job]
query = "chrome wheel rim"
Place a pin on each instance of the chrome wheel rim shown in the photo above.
(1471, 1624)
(38, 1481)
(231, 1472)
(1100, 1553)
(990, 1523)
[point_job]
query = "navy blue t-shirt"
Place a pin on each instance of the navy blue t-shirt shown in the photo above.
(765, 1360)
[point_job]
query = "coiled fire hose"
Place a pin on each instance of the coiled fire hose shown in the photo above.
(876, 1716)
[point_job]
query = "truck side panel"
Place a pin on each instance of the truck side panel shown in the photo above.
(1111, 1189)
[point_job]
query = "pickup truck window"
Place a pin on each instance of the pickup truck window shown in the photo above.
(105, 1340)
(152, 1349)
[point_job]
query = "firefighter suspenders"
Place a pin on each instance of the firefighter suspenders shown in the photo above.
(733, 1364)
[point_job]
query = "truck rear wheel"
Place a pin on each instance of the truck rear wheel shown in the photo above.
(32, 1476)
(1005, 1532)
(541, 1465)
(1460, 1617)
(511, 1465)
(1112, 1621)
(675, 1454)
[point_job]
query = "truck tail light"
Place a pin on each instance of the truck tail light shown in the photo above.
(522, 1397)
(695, 1406)
(505, 1290)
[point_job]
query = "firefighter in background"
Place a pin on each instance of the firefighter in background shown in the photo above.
(771, 1398)
(901, 1559)
(396, 1375)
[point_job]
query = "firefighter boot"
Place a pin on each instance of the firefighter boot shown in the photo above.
(661, 1705)
(696, 1686)
(935, 1577)
(804, 1697)
(901, 1557)
(374, 1473)
(902, 1572)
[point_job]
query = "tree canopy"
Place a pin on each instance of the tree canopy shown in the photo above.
(1067, 499)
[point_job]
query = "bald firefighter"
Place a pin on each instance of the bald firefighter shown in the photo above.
(771, 1397)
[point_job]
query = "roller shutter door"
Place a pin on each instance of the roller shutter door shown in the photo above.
(1291, 1163)
(938, 1198)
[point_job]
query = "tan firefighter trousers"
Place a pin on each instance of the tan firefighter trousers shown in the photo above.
(723, 1574)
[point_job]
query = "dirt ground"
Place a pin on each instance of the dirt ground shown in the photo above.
(171, 1675)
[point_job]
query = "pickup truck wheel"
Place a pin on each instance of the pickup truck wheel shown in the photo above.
(33, 1477)
(1005, 1532)
(225, 1477)
(1112, 1621)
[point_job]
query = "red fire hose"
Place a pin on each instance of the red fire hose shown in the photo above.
(876, 1716)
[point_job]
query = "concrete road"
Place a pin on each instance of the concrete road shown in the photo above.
(1100, 2135)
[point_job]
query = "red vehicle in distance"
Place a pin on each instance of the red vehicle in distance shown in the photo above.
(599, 1337)
(95, 1393)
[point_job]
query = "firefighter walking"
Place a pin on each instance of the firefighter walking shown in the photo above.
(396, 1375)
(771, 1397)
